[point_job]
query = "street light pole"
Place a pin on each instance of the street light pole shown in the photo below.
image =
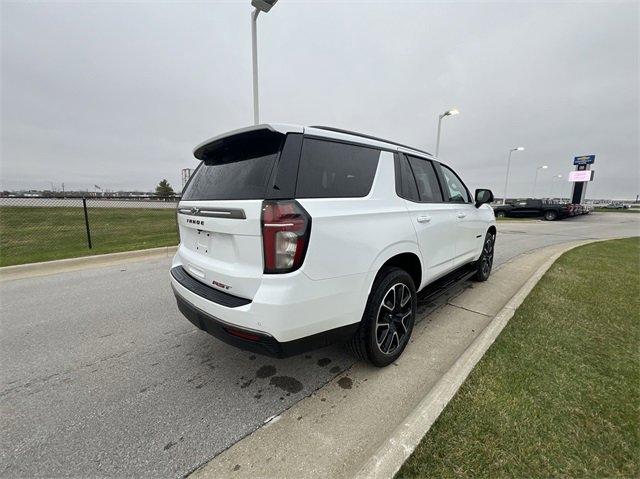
(506, 180)
(535, 180)
(438, 135)
(453, 111)
(254, 58)
(259, 6)
(557, 177)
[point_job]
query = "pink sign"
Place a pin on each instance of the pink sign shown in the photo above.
(577, 176)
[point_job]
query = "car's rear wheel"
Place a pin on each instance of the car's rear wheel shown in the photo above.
(388, 318)
(550, 215)
(485, 262)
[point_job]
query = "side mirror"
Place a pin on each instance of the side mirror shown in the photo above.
(483, 196)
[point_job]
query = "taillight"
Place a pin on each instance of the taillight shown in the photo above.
(285, 235)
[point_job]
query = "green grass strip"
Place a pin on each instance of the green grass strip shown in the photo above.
(608, 210)
(558, 394)
(32, 234)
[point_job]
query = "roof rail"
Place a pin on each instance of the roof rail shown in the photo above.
(362, 135)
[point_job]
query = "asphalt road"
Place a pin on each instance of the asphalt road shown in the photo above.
(101, 376)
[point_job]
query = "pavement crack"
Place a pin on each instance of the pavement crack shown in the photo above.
(470, 310)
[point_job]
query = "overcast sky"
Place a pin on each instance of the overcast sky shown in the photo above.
(118, 94)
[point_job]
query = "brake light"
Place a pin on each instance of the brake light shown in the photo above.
(285, 235)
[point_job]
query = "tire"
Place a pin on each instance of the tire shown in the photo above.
(485, 262)
(370, 342)
(501, 214)
(550, 215)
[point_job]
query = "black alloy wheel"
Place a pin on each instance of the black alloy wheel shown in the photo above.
(388, 318)
(485, 262)
(393, 319)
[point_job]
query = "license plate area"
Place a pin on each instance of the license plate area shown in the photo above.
(203, 242)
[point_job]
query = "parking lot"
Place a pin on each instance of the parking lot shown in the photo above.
(103, 376)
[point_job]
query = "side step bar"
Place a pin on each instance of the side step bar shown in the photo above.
(440, 286)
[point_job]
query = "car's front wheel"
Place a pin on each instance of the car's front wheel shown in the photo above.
(388, 318)
(485, 262)
(550, 215)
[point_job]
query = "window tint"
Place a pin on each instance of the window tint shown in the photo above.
(454, 187)
(238, 171)
(426, 180)
(405, 184)
(335, 170)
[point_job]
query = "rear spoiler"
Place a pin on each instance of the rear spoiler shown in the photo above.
(221, 142)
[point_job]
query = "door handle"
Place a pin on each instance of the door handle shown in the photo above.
(462, 215)
(424, 219)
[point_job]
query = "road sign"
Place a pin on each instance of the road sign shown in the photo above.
(584, 160)
(579, 176)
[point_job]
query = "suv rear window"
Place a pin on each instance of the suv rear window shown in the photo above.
(330, 169)
(235, 168)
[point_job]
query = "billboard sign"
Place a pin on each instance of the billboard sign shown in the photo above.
(584, 160)
(580, 176)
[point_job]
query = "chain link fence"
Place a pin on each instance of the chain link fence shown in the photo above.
(36, 229)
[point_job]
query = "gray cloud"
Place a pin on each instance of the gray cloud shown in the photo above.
(117, 94)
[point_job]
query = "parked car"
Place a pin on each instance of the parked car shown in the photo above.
(616, 206)
(294, 237)
(535, 208)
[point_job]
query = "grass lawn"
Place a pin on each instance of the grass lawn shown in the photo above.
(558, 393)
(31, 234)
(607, 210)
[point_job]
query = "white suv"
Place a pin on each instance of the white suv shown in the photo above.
(295, 237)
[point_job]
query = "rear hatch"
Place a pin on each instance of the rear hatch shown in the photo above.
(219, 216)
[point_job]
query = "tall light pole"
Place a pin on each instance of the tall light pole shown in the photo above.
(553, 182)
(453, 111)
(506, 180)
(535, 180)
(259, 6)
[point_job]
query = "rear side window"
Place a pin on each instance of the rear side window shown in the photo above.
(405, 183)
(426, 179)
(335, 170)
(237, 169)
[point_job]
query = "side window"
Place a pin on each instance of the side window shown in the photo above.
(405, 183)
(426, 180)
(335, 170)
(454, 187)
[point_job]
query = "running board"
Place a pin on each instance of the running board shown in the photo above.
(440, 286)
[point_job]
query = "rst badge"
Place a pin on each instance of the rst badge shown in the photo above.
(220, 285)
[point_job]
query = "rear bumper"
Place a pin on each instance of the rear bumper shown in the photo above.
(259, 341)
(288, 314)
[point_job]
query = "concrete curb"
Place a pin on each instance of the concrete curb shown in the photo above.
(516, 222)
(84, 262)
(397, 448)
